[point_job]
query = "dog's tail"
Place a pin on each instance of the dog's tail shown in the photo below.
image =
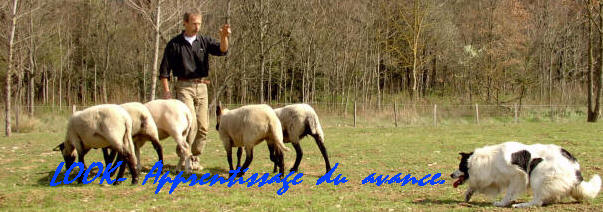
(586, 190)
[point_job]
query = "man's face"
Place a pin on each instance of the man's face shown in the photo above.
(193, 24)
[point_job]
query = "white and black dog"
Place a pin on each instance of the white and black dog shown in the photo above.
(549, 170)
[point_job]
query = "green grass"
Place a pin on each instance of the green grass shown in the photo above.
(27, 162)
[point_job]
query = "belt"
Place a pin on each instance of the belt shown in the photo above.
(195, 80)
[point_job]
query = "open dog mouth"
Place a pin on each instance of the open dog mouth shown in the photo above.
(460, 181)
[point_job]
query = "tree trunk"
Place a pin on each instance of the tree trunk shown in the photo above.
(262, 56)
(7, 88)
(95, 96)
(600, 72)
(32, 66)
(105, 70)
(156, 51)
(434, 72)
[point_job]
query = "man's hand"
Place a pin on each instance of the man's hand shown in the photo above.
(166, 88)
(225, 31)
(167, 95)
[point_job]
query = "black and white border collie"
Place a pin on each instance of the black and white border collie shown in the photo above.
(549, 170)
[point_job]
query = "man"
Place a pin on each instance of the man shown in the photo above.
(186, 55)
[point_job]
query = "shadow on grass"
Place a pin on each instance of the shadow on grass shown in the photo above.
(47, 176)
(478, 204)
(452, 202)
(216, 170)
(44, 181)
(174, 171)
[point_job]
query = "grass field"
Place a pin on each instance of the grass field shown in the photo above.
(27, 163)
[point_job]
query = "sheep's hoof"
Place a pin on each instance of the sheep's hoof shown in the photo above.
(293, 170)
(240, 174)
(116, 183)
(135, 182)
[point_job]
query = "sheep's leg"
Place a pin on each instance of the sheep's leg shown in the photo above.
(248, 159)
(323, 151)
(184, 153)
(280, 160)
(137, 152)
(298, 156)
(272, 157)
(113, 158)
(239, 154)
(106, 155)
(229, 159)
(132, 167)
(122, 168)
(158, 149)
(81, 159)
(131, 163)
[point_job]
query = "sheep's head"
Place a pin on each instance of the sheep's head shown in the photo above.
(69, 156)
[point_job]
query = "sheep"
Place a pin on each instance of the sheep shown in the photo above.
(299, 120)
(246, 127)
(143, 130)
(99, 127)
(173, 118)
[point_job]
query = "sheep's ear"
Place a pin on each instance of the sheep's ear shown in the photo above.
(219, 109)
(60, 147)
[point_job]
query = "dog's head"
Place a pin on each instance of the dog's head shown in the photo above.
(463, 172)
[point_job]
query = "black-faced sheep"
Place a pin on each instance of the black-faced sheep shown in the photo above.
(248, 126)
(143, 129)
(99, 127)
(173, 118)
(299, 120)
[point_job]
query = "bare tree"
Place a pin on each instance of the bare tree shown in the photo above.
(9, 72)
(156, 19)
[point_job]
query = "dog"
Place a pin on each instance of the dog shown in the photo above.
(549, 170)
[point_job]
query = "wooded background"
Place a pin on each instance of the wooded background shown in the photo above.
(85, 52)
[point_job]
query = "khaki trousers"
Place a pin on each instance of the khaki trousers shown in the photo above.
(194, 95)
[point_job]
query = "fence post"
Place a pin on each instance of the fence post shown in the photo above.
(477, 114)
(516, 115)
(395, 114)
(73, 109)
(354, 113)
(435, 113)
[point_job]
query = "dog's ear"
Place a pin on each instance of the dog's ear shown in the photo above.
(465, 154)
(60, 147)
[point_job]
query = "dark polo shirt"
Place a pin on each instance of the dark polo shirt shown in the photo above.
(186, 60)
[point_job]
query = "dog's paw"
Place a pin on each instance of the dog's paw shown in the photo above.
(521, 205)
(500, 204)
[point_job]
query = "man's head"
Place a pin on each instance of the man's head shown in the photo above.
(192, 22)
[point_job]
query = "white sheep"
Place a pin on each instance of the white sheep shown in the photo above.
(173, 118)
(143, 130)
(99, 127)
(299, 120)
(248, 126)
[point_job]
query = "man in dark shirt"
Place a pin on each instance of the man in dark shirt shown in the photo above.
(187, 57)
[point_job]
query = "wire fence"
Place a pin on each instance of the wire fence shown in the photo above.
(355, 114)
